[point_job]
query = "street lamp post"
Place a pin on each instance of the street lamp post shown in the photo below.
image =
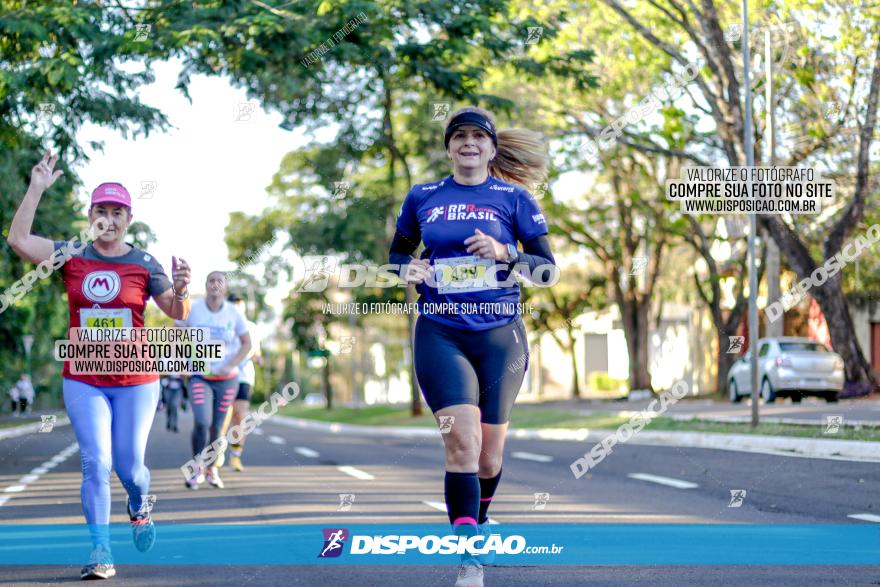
(753, 219)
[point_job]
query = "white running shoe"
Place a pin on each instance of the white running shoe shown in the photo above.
(198, 477)
(100, 565)
(214, 478)
(470, 574)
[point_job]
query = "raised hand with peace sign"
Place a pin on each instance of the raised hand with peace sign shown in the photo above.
(31, 247)
(43, 175)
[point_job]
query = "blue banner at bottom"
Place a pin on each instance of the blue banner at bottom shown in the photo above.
(513, 544)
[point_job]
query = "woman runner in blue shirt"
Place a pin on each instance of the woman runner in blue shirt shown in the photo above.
(471, 351)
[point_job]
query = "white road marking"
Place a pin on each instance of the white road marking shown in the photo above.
(257, 432)
(439, 505)
(865, 517)
(530, 456)
(276, 440)
(668, 481)
(306, 452)
(33, 428)
(356, 473)
(22, 483)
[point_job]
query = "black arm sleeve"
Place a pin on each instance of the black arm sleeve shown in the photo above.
(402, 247)
(536, 252)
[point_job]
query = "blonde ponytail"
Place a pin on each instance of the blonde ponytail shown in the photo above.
(521, 155)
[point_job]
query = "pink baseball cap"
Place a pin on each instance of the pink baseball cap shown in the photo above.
(111, 193)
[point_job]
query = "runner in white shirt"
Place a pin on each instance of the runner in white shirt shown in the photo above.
(25, 393)
(221, 379)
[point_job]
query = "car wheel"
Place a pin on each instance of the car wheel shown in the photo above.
(831, 397)
(796, 397)
(768, 394)
(733, 392)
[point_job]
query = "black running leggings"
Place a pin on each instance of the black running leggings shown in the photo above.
(484, 368)
(223, 392)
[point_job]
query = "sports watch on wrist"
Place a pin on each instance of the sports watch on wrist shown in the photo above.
(512, 253)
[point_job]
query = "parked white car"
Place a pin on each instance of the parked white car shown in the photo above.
(789, 367)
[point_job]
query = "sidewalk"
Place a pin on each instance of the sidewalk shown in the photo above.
(855, 412)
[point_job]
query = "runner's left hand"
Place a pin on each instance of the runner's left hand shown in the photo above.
(485, 247)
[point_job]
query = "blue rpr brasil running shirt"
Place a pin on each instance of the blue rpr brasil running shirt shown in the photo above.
(443, 215)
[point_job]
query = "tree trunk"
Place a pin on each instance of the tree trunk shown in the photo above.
(859, 379)
(725, 360)
(325, 377)
(635, 330)
(575, 384)
(643, 377)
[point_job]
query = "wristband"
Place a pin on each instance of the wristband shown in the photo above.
(178, 296)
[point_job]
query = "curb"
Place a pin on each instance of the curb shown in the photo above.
(815, 448)
(30, 428)
(846, 450)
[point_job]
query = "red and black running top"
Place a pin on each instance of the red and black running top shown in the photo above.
(110, 292)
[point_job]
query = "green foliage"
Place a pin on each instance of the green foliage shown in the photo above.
(375, 87)
(60, 68)
(601, 381)
(140, 234)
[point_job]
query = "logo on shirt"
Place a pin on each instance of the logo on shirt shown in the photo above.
(432, 186)
(538, 218)
(101, 286)
(460, 212)
(435, 213)
(499, 188)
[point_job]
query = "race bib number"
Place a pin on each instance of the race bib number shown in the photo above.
(462, 274)
(105, 318)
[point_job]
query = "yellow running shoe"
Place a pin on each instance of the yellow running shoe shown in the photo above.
(235, 462)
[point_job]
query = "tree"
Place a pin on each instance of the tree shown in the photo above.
(815, 80)
(379, 69)
(60, 67)
(711, 295)
(628, 233)
(140, 234)
(558, 307)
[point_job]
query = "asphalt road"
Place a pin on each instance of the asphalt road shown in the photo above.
(294, 477)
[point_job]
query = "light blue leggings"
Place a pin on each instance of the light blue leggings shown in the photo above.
(111, 426)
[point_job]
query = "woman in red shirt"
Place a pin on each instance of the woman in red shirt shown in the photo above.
(111, 413)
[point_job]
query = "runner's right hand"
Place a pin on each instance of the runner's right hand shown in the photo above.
(43, 175)
(417, 271)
